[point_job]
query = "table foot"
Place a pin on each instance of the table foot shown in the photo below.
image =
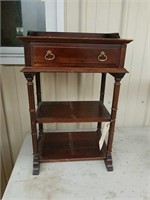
(36, 165)
(108, 162)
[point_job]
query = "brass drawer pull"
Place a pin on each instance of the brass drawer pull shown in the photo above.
(102, 57)
(49, 55)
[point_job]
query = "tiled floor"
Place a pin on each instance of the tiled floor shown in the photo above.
(87, 180)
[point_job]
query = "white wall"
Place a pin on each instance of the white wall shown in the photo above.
(132, 20)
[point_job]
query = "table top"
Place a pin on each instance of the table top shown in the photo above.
(79, 180)
(102, 38)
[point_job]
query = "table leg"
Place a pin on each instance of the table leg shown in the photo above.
(102, 94)
(30, 87)
(38, 93)
(108, 160)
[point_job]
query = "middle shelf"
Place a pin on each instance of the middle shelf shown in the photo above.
(72, 111)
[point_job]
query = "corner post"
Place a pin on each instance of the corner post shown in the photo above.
(30, 87)
(102, 94)
(108, 160)
(38, 93)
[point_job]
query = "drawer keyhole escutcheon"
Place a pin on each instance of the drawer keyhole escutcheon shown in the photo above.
(49, 55)
(102, 57)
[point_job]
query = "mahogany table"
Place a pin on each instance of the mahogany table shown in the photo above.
(48, 52)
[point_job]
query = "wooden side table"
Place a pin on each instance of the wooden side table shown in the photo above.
(72, 52)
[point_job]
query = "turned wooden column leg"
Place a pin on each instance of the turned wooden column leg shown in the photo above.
(38, 93)
(102, 94)
(108, 160)
(30, 87)
(102, 91)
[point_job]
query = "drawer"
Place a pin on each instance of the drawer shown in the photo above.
(97, 55)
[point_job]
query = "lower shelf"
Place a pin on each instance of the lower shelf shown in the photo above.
(69, 146)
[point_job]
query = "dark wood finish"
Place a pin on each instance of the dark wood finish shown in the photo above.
(27, 52)
(113, 113)
(73, 35)
(73, 111)
(74, 69)
(72, 52)
(75, 54)
(37, 43)
(66, 146)
(90, 38)
(38, 94)
(122, 55)
(30, 87)
(102, 93)
(108, 162)
(38, 88)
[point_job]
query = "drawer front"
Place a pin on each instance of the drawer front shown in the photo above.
(51, 55)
